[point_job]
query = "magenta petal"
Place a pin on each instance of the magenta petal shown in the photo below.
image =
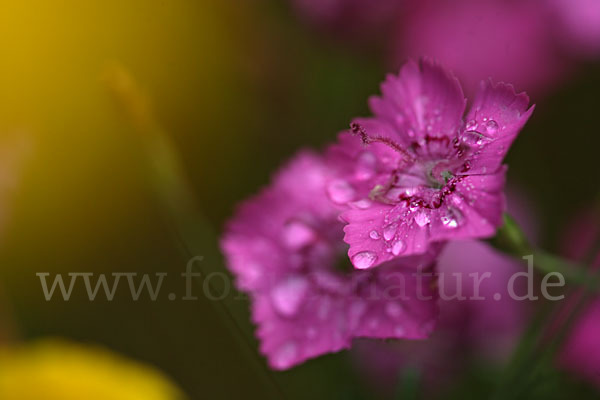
(424, 100)
(245, 255)
(510, 41)
(358, 165)
(473, 211)
(400, 304)
(431, 176)
(364, 233)
(319, 328)
(580, 23)
(581, 352)
(497, 115)
(283, 246)
(287, 226)
(353, 20)
(384, 232)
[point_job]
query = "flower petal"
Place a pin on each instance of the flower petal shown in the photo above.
(384, 232)
(476, 207)
(497, 114)
(402, 303)
(282, 246)
(423, 100)
(318, 329)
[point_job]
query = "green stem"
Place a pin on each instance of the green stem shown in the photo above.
(511, 240)
(524, 367)
(523, 354)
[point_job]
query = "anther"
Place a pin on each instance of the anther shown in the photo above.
(358, 130)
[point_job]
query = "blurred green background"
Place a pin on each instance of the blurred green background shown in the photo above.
(239, 87)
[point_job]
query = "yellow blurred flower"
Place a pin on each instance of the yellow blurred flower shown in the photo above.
(58, 370)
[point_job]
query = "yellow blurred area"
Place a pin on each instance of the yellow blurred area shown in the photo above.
(82, 201)
(57, 370)
(83, 184)
(53, 52)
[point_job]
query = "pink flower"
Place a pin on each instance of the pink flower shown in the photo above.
(581, 352)
(484, 327)
(356, 18)
(284, 245)
(579, 21)
(485, 330)
(510, 41)
(418, 173)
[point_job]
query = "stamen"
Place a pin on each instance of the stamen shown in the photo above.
(357, 129)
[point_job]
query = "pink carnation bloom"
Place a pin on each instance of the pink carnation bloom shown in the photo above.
(358, 18)
(580, 23)
(581, 352)
(484, 330)
(283, 246)
(508, 41)
(487, 328)
(427, 174)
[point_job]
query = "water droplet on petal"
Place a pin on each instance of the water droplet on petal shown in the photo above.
(474, 138)
(492, 127)
(362, 204)
(296, 234)
(288, 295)
(449, 222)
(364, 259)
(389, 231)
(422, 218)
(414, 205)
(285, 355)
(451, 218)
(471, 125)
(410, 191)
(340, 191)
(398, 247)
(374, 235)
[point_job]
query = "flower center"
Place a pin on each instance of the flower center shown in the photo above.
(429, 193)
(425, 175)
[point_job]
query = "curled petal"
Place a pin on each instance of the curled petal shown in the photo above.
(497, 115)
